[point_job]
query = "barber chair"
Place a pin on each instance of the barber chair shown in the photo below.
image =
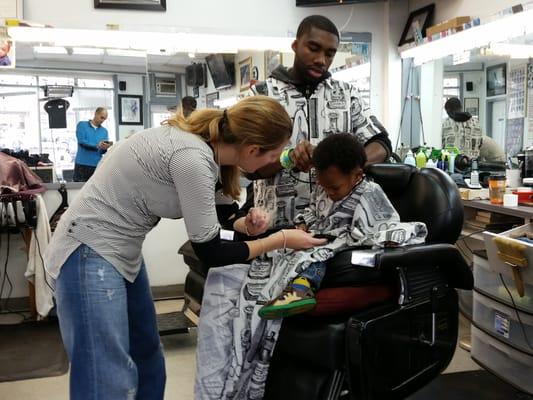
(379, 332)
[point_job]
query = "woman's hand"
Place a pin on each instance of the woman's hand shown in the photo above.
(256, 221)
(297, 239)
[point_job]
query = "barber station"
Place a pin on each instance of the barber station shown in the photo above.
(309, 199)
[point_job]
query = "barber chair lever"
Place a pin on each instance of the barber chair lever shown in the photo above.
(436, 292)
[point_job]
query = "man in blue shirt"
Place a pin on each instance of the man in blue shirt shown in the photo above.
(92, 143)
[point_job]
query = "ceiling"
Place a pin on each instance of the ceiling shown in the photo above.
(26, 56)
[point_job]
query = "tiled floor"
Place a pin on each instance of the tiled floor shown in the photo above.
(180, 362)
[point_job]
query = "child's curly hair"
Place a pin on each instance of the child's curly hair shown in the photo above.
(341, 150)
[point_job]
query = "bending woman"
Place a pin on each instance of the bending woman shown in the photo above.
(106, 313)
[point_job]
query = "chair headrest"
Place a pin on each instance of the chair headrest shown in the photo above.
(392, 178)
(428, 195)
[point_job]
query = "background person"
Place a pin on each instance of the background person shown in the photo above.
(188, 105)
(463, 131)
(93, 142)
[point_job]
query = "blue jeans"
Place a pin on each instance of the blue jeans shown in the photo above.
(315, 273)
(109, 330)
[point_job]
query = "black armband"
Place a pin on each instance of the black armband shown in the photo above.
(217, 252)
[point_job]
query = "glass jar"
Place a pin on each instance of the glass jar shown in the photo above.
(496, 188)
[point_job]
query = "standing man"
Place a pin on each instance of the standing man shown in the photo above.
(319, 106)
(92, 144)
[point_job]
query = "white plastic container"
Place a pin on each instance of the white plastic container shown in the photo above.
(509, 364)
(497, 265)
(502, 322)
(489, 283)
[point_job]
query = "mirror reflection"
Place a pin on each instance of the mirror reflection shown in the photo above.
(53, 91)
(477, 101)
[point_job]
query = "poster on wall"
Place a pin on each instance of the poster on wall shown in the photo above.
(514, 136)
(530, 104)
(496, 80)
(471, 105)
(517, 91)
(149, 5)
(272, 60)
(7, 49)
(130, 110)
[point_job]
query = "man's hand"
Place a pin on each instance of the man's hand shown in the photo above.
(104, 144)
(256, 221)
(302, 155)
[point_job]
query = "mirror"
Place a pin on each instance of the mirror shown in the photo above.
(139, 90)
(494, 85)
(86, 78)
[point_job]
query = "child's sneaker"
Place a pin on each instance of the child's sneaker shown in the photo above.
(291, 301)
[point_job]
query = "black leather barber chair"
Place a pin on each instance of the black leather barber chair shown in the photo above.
(379, 332)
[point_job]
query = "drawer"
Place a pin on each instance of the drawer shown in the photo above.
(502, 321)
(489, 283)
(509, 364)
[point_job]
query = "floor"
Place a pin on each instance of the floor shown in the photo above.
(180, 362)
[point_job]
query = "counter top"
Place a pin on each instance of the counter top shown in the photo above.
(525, 212)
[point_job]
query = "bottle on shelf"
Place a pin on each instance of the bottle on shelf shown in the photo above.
(410, 159)
(474, 174)
(431, 163)
(421, 158)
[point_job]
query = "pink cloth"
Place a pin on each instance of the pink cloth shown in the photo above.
(17, 178)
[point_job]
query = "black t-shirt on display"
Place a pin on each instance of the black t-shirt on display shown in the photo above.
(57, 113)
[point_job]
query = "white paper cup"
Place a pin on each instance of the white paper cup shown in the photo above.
(510, 200)
(513, 178)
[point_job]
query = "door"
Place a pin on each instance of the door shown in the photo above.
(497, 123)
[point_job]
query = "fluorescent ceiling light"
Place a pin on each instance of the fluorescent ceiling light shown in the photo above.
(177, 42)
(500, 30)
(125, 53)
(353, 73)
(512, 50)
(49, 50)
(88, 51)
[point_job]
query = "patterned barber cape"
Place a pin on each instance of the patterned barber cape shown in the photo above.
(334, 107)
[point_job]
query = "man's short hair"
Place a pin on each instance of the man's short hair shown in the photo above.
(340, 150)
(318, 22)
(99, 110)
(453, 105)
(189, 103)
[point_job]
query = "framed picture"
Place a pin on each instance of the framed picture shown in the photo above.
(496, 80)
(421, 19)
(272, 60)
(130, 110)
(150, 5)
(210, 99)
(196, 92)
(245, 73)
(471, 106)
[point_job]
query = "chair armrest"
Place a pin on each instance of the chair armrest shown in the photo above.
(186, 250)
(444, 256)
